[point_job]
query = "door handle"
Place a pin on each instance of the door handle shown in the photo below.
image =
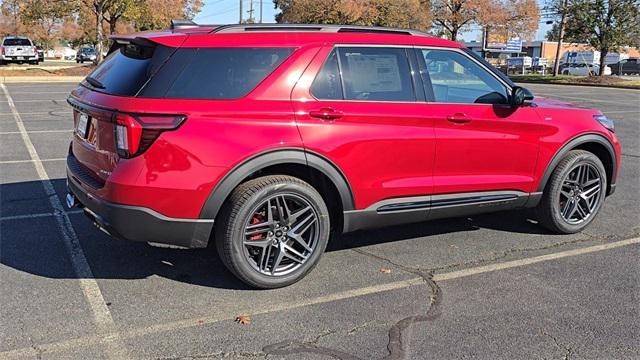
(326, 114)
(459, 118)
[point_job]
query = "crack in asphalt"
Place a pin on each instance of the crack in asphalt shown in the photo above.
(396, 347)
(219, 355)
(291, 347)
(567, 350)
(32, 344)
(506, 253)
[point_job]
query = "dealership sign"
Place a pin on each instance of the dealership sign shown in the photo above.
(513, 45)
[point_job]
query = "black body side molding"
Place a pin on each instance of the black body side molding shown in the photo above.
(276, 157)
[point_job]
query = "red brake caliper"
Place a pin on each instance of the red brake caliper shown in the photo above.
(256, 220)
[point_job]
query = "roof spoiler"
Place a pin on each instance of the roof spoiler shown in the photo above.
(119, 41)
(182, 24)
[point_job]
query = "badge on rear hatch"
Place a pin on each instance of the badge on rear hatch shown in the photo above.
(83, 124)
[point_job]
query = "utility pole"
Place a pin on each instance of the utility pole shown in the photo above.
(240, 21)
(250, 20)
(260, 11)
(556, 64)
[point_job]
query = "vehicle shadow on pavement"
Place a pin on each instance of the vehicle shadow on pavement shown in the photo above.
(28, 243)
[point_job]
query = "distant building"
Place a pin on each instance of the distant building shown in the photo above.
(547, 50)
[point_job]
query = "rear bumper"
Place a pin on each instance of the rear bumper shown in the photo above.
(137, 223)
(15, 58)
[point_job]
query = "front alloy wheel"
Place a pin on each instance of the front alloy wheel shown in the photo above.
(272, 231)
(574, 193)
(580, 193)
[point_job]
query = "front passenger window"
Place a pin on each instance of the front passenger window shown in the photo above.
(455, 78)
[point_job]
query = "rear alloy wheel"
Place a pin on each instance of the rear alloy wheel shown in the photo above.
(272, 231)
(575, 193)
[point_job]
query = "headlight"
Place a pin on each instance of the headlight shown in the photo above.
(605, 121)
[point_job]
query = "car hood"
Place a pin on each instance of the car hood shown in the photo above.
(545, 102)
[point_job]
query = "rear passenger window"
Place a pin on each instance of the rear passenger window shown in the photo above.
(214, 73)
(376, 74)
(328, 85)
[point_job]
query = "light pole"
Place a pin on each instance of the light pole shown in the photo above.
(556, 64)
(240, 21)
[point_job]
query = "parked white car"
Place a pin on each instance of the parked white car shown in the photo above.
(584, 69)
(18, 49)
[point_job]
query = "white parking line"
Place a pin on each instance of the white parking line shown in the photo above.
(36, 132)
(42, 100)
(55, 112)
(100, 311)
(36, 215)
(259, 309)
(29, 161)
(39, 92)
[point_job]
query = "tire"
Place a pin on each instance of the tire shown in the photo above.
(246, 207)
(564, 201)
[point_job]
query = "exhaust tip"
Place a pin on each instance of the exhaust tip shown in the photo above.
(71, 201)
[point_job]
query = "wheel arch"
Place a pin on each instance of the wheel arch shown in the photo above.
(595, 143)
(288, 161)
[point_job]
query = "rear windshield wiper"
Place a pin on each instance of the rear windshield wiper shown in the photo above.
(94, 82)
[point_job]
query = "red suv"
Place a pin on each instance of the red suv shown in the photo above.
(268, 140)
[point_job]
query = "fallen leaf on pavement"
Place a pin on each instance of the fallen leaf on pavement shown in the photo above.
(243, 319)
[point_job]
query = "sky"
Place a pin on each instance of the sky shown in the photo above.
(227, 12)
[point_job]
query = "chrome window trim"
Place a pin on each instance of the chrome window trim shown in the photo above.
(408, 47)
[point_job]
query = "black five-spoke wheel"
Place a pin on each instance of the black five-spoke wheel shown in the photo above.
(272, 230)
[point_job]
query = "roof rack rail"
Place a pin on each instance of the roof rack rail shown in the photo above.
(237, 28)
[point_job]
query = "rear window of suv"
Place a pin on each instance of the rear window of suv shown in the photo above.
(16, 42)
(125, 71)
(186, 73)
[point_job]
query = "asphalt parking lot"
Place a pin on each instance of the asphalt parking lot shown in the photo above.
(493, 286)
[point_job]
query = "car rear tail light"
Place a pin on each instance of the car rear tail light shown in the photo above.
(35, 49)
(1, 50)
(135, 133)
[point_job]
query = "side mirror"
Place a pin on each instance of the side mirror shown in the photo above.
(520, 96)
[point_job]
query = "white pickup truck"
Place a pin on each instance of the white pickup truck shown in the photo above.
(18, 49)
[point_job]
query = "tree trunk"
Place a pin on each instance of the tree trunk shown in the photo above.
(99, 32)
(454, 33)
(603, 61)
(112, 25)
